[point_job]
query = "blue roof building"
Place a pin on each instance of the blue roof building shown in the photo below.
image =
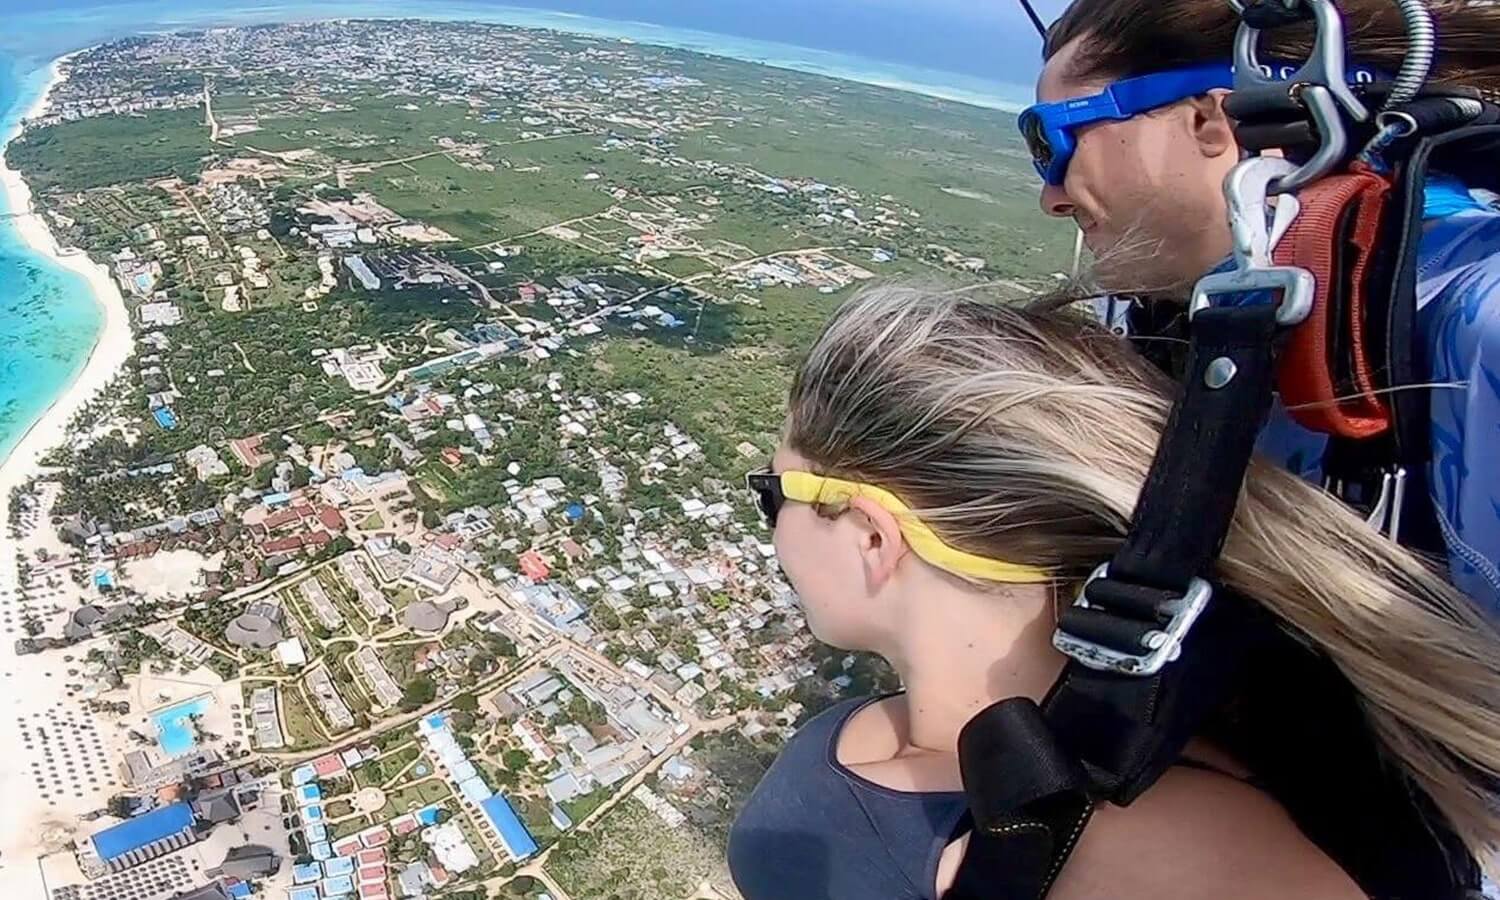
(514, 836)
(165, 417)
(146, 837)
(475, 790)
(308, 874)
(303, 893)
(342, 865)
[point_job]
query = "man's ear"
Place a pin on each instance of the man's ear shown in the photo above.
(881, 544)
(1211, 126)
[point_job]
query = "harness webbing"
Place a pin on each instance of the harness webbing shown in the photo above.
(1327, 377)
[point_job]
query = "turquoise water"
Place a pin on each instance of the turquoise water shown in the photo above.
(174, 726)
(49, 320)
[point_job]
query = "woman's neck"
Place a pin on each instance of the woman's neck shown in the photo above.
(964, 649)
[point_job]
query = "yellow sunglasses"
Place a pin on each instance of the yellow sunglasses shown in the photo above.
(773, 489)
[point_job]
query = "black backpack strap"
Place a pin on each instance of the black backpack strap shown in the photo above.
(1119, 716)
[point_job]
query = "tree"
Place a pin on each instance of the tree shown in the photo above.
(516, 760)
(466, 703)
(120, 806)
(420, 691)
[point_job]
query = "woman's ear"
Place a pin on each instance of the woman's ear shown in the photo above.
(881, 544)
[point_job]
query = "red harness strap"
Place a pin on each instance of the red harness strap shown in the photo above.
(1333, 237)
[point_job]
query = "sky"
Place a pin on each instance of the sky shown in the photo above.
(989, 39)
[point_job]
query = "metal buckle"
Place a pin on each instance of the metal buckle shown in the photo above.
(1165, 642)
(1322, 84)
(1246, 190)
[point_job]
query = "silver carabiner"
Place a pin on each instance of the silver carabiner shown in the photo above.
(1323, 85)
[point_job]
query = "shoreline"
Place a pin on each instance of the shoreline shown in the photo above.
(32, 688)
(112, 347)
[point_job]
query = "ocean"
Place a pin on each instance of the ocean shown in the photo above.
(48, 317)
(49, 320)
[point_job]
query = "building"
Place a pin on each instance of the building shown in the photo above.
(552, 602)
(247, 863)
(361, 271)
(514, 836)
(266, 719)
(257, 628)
(323, 608)
(213, 891)
(142, 774)
(427, 617)
(144, 838)
(372, 597)
(335, 711)
(533, 566)
(387, 693)
(291, 654)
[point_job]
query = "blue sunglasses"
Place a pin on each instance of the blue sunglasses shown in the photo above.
(1048, 127)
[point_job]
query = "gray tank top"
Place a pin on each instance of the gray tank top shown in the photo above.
(813, 830)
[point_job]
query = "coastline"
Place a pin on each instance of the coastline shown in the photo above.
(31, 688)
(113, 345)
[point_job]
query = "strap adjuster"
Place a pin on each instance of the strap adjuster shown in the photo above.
(1160, 641)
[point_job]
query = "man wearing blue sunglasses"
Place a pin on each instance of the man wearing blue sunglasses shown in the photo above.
(1133, 143)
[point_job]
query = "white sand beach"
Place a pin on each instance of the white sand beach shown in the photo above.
(110, 352)
(34, 703)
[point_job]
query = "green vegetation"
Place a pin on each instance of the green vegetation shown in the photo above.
(302, 730)
(91, 153)
(631, 855)
(414, 796)
(418, 692)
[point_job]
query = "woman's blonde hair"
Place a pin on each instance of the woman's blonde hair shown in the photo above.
(1027, 436)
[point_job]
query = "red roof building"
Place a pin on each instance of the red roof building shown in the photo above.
(282, 545)
(534, 567)
(331, 518)
(328, 766)
(453, 457)
(282, 518)
(346, 846)
(372, 857)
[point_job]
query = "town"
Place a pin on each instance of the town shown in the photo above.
(409, 557)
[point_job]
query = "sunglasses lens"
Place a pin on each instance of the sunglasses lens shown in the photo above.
(768, 505)
(1037, 143)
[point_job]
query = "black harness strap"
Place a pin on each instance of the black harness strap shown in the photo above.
(1033, 775)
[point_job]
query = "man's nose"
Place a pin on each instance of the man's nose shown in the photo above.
(1055, 201)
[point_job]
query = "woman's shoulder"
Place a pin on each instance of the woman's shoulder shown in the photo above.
(812, 822)
(1196, 833)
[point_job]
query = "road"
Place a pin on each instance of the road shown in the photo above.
(208, 113)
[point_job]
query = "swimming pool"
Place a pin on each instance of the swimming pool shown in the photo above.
(174, 726)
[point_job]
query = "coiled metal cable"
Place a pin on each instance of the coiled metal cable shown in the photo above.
(1421, 46)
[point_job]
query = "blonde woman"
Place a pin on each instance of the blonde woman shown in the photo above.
(950, 470)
